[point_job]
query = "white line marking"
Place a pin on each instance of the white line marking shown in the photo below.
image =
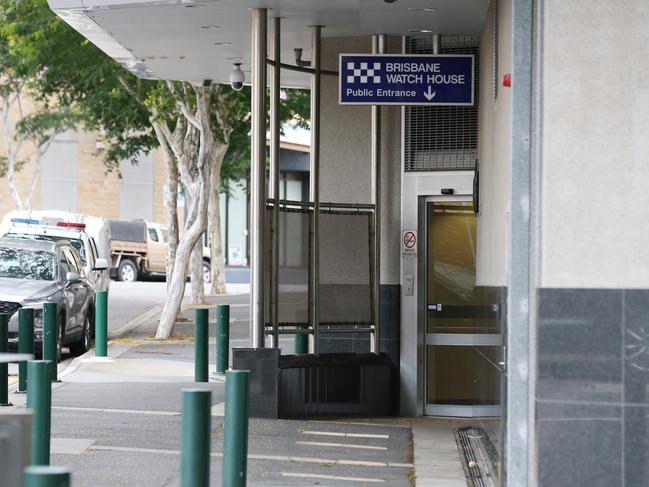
(279, 458)
(345, 435)
(121, 411)
(70, 446)
(360, 423)
(340, 445)
(331, 477)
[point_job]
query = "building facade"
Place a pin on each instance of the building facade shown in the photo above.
(523, 304)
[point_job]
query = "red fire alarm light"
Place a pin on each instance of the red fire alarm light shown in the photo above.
(507, 80)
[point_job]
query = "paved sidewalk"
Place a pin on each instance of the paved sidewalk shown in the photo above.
(117, 422)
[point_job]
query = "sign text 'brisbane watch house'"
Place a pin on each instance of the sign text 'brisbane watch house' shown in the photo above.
(406, 79)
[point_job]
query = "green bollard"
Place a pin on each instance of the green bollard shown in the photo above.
(301, 341)
(39, 400)
(46, 476)
(235, 436)
(101, 323)
(195, 438)
(51, 338)
(4, 368)
(201, 345)
(222, 337)
(25, 343)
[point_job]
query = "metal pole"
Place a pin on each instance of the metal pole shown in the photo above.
(195, 438)
(101, 324)
(51, 337)
(437, 42)
(4, 368)
(235, 436)
(222, 337)
(314, 177)
(201, 345)
(25, 343)
(301, 341)
(39, 400)
(258, 176)
(46, 476)
(378, 47)
(274, 174)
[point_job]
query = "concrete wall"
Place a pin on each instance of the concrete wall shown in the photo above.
(345, 152)
(595, 180)
(494, 149)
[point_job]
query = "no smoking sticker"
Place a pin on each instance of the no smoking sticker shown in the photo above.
(409, 243)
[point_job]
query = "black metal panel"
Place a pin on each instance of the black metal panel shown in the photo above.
(337, 384)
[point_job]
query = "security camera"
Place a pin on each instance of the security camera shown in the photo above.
(237, 77)
(298, 58)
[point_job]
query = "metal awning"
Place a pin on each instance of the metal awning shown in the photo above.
(195, 40)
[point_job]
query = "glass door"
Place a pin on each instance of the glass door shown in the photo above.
(463, 341)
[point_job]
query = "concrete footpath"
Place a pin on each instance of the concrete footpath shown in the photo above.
(116, 422)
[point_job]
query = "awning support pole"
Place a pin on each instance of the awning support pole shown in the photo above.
(314, 177)
(378, 47)
(258, 176)
(274, 173)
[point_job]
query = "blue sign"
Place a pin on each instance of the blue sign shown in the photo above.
(408, 79)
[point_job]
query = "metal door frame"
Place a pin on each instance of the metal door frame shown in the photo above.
(454, 339)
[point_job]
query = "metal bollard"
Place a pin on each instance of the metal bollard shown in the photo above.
(201, 345)
(195, 438)
(46, 476)
(39, 400)
(25, 343)
(235, 436)
(101, 323)
(301, 341)
(4, 368)
(51, 338)
(222, 337)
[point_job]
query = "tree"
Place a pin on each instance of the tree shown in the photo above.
(200, 129)
(27, 134)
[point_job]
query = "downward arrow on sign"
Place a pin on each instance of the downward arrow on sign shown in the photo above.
(429, 94)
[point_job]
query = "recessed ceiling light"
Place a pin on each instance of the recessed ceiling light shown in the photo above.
(235, 58)
(210, 27)
(422, 31)
(222, 43)
(425, 9)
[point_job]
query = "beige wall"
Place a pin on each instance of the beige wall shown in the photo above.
(595, 139)
(97, 190)
(345, 169)
(494, 149)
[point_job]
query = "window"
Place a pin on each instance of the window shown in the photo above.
(153, 234)
(72, 262)
(27, 264)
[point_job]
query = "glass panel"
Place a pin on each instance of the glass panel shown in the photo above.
(455, 304)
(463, 375)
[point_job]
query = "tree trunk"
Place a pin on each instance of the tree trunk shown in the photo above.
(214, 227)
(192, 234)
(198, 282)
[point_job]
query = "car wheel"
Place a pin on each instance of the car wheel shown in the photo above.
(83, 344)
(127, 271)
(207, 272)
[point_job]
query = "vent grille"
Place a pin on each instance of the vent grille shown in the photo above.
(442, 138)
(8, 308)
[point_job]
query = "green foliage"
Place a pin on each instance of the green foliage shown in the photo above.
(75, 80)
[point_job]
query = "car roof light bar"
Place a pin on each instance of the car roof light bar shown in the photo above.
(71, 225)
(27, 221)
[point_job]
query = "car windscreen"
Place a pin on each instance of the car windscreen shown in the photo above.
(37, 265)
(76, 243)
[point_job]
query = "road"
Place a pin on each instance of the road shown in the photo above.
(128, 300)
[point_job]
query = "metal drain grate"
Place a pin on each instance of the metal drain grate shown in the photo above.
(466, 441)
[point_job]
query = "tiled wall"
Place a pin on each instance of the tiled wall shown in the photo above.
(592, 397)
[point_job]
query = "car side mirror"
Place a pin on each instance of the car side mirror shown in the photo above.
(72, 277)
(101, 265)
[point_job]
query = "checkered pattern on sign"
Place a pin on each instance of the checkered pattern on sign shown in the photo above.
(363, 73)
